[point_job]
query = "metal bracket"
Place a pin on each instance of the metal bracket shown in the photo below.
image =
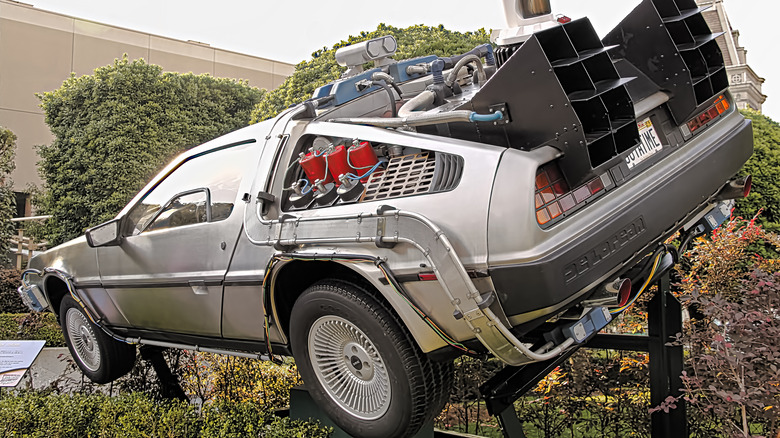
(666, 366)
(504, 108)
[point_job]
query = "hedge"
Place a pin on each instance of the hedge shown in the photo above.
(10, 301)
(31, 326)
(35, 414)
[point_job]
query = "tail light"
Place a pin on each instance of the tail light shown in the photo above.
(720, 106)
(554, 199)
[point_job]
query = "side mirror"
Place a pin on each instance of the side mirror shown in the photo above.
(106, 234)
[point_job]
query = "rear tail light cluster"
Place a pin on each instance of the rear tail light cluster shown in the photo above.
(555, 200)
(720, 106)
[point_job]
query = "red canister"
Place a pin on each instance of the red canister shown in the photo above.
(314, 166)
(363, 158)
(337, 163)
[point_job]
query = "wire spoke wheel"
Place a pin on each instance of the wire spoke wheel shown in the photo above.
(83, 339)
(349, 367)
(100, 357)
(360, 364)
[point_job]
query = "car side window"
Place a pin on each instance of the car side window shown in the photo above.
(202, 189)
(187, 209)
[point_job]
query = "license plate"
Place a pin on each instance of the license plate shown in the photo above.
(650, 144)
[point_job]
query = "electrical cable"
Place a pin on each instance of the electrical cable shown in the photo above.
(356, 167)
(344, 258)
(72, 292)
(354, 177)
(656, 263)
(393, 109)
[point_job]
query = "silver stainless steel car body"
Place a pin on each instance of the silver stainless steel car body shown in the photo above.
(484, 222)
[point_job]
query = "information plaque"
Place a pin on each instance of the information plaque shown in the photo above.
(15, 358)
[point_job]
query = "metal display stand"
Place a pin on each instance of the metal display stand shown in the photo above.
(508, 385)
(170, 386)
(666, 366)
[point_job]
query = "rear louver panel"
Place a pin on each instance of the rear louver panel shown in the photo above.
(562, 90)
(449, 169)
(670, 42)
(596, 91)
(415, 174)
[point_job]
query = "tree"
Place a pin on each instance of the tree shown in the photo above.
(413, 41)
(116, 128)
(7, 198)
(764, 165)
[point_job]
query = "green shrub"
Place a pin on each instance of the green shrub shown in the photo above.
(10, 301)
(322, 68)
(7, 197)
(36, 414)
(116, 128)
(31, 326)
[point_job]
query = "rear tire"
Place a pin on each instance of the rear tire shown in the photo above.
(361, 365)
(100, 357)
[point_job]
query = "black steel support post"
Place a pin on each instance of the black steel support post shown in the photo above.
(666, 365)
(171, 388)
(666, 361)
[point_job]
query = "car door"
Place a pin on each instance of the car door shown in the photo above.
(168, 272)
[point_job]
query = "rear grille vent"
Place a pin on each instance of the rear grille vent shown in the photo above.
(449, 169)
(415, 174)
(670, 42)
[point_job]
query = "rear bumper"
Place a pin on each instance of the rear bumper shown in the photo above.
(627, 222)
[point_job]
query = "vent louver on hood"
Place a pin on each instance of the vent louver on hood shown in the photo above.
(671, 43)
(561, 89)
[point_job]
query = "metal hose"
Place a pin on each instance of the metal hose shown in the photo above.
(421, 100)
(453, 76)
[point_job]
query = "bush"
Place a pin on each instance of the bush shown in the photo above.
(10, 301)
(413, 42)
(31, 326)
(234, 379)
(733, 379)
(34, 414)
(115, 129)
(764, 165)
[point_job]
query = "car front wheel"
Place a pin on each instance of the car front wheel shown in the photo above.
(361, 365)
(101, 358)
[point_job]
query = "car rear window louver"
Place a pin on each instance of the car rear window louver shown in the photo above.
(562, 90)
(671, 43)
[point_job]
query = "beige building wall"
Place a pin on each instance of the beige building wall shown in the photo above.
(39, 50)
(745, 84)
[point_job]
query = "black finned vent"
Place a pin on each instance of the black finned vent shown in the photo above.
(670, 42)
(562, 90)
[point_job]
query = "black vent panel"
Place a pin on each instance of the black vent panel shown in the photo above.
(562, 90)
(671, 43)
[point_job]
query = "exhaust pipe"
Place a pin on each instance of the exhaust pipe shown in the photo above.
(614, 293)
(735, 189)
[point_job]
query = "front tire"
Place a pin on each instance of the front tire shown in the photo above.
(361, 365)
(100, 357)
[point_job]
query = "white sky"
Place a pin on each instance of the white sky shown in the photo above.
(291, 30)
